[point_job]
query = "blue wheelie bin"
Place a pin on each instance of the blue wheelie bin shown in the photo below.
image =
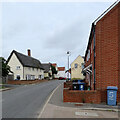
(81, 85)
(111, 95)
(75, 86)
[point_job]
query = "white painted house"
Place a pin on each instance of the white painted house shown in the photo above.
(61, 72)
(47, 70)
(25, 67)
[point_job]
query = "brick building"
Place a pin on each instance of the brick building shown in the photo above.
(102, 57)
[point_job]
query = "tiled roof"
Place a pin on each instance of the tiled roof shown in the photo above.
(61, 68)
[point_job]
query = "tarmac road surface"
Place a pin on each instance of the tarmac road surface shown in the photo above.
(27, 101)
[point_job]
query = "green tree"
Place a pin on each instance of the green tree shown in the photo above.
(54, 71)
(5, 68)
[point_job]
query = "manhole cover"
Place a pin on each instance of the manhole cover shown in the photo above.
(86, 114)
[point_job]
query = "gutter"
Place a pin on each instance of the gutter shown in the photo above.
(106, 11)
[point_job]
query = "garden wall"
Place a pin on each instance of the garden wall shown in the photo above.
(81, 96)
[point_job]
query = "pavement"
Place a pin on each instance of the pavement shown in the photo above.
(8, 87)
(56, 108)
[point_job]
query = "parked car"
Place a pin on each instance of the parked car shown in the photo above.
(62, 78)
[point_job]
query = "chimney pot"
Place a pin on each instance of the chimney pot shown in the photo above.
(29, 52)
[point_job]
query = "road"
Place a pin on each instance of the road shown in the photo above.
(27, 101)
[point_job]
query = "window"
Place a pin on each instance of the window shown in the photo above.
(76, 65)
(28, 77)
(82, 65)
(32, 77)
(88, 55)
(18, 67)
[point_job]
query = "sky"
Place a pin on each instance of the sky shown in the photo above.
(49, 29)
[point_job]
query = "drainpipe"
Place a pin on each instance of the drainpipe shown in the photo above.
(94, 54)
(23, 72)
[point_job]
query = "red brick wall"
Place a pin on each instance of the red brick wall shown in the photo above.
(18, 82)
(107, 50)
(68, 85)
(107, 36)
(80, 96)
(119, 54)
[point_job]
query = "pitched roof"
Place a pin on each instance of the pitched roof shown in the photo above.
(78, 57)
(46, 66)
(94, 25)
(26, 61)
(61, 68)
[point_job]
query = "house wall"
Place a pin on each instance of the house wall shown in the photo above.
(119, 52)
(13, 63)
(107, 47)
(107, 31)
(66, 74)
(76, 72)
(61, 74)
(107, 53)
(46, 75)
(33, 71)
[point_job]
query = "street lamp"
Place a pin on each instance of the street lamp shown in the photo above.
(68, 53)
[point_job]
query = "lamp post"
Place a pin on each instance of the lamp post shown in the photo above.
(68, 53)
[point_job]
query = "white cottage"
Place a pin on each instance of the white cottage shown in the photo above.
(25, 67)
(61, 72)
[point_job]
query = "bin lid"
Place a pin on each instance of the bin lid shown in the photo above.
(80, 80)
(112, 88)
(75, 82)
(81, 83)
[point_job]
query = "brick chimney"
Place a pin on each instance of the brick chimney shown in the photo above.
(29, 52)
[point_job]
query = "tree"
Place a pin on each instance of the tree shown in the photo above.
(54, 71)
(5, 68)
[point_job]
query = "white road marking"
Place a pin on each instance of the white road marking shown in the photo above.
(48, 100)
(86, 114)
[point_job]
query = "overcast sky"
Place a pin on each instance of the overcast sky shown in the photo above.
(49, 29)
